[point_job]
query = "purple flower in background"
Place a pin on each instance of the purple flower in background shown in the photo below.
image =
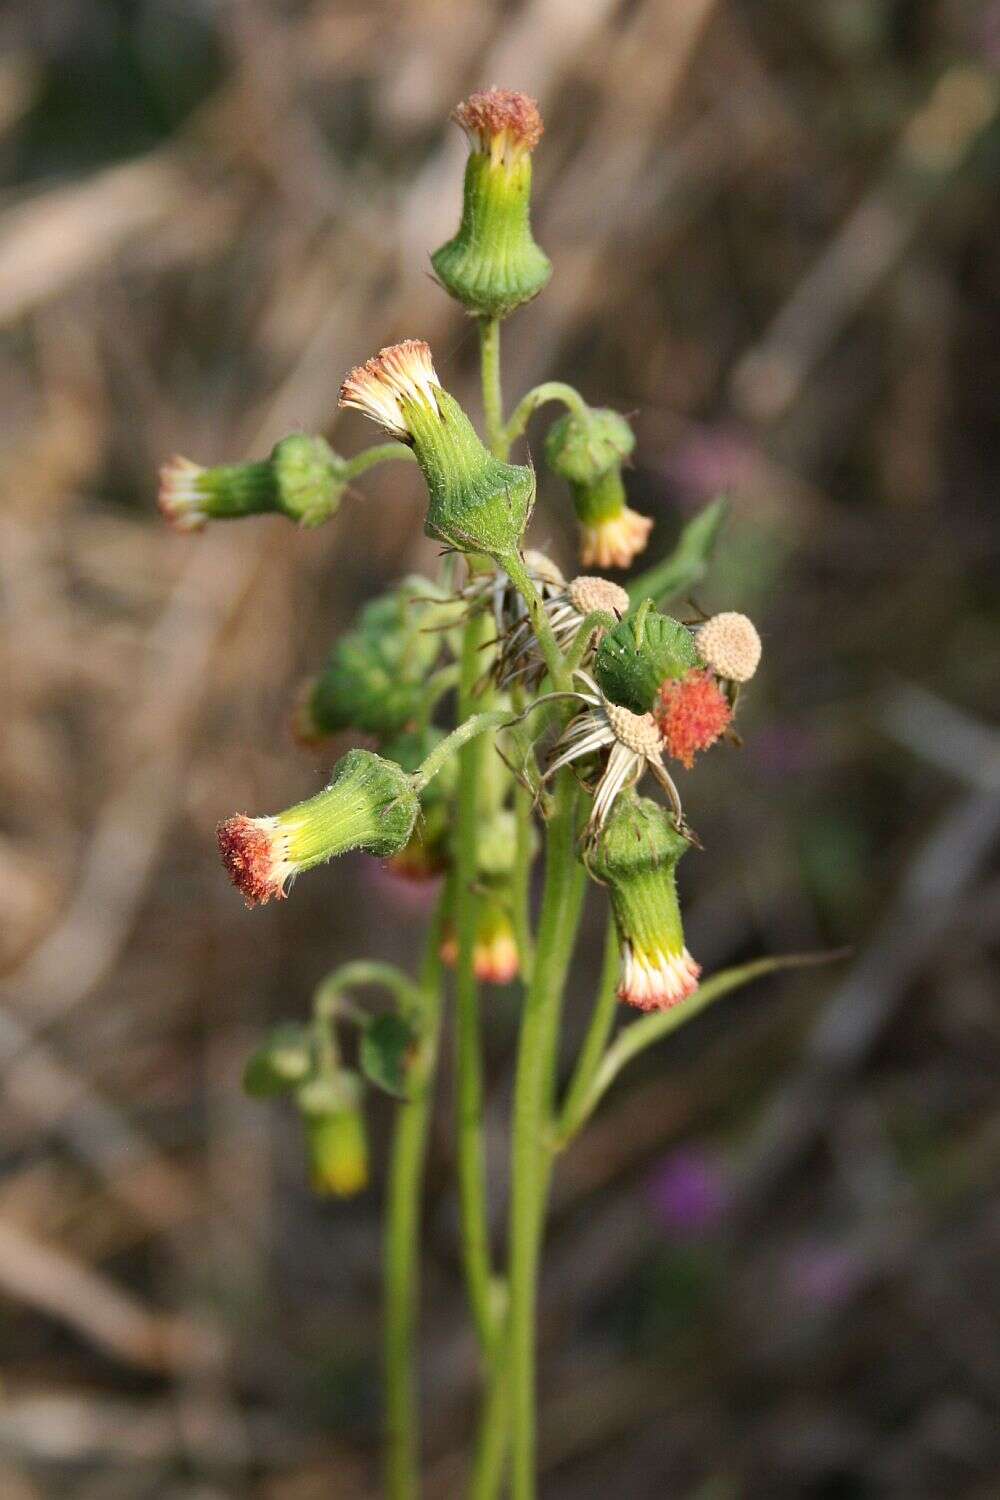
(712, 460)
(689, 1193)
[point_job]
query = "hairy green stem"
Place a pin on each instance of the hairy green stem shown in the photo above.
(379, 453)
(551, 390)
(469, 730)
(549, 646)
(530, 1157)
(401, 1244)
(328, 1000)
(489, 360)
(468, 1056)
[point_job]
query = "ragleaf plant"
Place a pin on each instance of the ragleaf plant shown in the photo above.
(563, 697)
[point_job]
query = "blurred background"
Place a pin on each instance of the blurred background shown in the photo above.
(772, 1260)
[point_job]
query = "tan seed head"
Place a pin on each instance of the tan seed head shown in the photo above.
(590, 594)
(730, 645)
(637, 732)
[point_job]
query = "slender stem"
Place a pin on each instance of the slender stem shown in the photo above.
(379, 453)
(530, 1160)
(652, 1028)
(494, 1431)
(524, 855)
(598, 619)
(469, 730)
(602, 1021)
(468, 1059)
(327, 1000)
(549, 646)
(551, 390)
(401, 1244)
(489, 357)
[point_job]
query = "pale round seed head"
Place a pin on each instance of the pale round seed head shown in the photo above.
(637, 732)
(589, 594)
(730, 645)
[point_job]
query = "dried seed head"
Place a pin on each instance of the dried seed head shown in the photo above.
(500, 122)
(691, 714)
(587, 595)
(730, 645)
(398, 373)
(637, 732)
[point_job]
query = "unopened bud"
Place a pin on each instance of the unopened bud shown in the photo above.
(588, 448)
(282, 1062)
(495, 957)
(493, 265)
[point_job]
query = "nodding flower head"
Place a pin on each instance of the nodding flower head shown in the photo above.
(493, 265)
(636, 857)
(644, 650)
(495, 957)
(303, 479)
(477, 504)
(730, 646)
(336, 1139)
(370, 804)
(691, 714)
(588, 449)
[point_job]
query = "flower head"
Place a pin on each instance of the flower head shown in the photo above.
(302, 478)
(636, 857)
(588, 449)
(611, 540)
(691, 714)
(493, 265)
(500, 123)
(477, 504)
(370, 804)
(729, 644)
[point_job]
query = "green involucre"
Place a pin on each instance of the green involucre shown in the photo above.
(303, 479)
(370, 804)
(640, 654)
(636, 858)
(493, 265)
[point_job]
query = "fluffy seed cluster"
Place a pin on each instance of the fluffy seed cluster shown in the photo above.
(587, 595)
(614, 542)
(691, 714)
(179, 501)
(255, 855)
(656, 981)
(398, 373)
(730, 645)
(500, 122)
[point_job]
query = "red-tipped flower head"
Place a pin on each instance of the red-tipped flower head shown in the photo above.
(691, 714)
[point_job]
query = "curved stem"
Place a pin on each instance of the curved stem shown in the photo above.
(401, 1243)
(380, 453)
(652, 1028)
(551, 390)
(530, 1158)
(549, 646)
(469, 730)
(468, 1059)
(328, 1000)
(598, 619)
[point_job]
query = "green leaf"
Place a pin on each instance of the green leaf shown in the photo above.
(685, 567)
(389, 1050)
